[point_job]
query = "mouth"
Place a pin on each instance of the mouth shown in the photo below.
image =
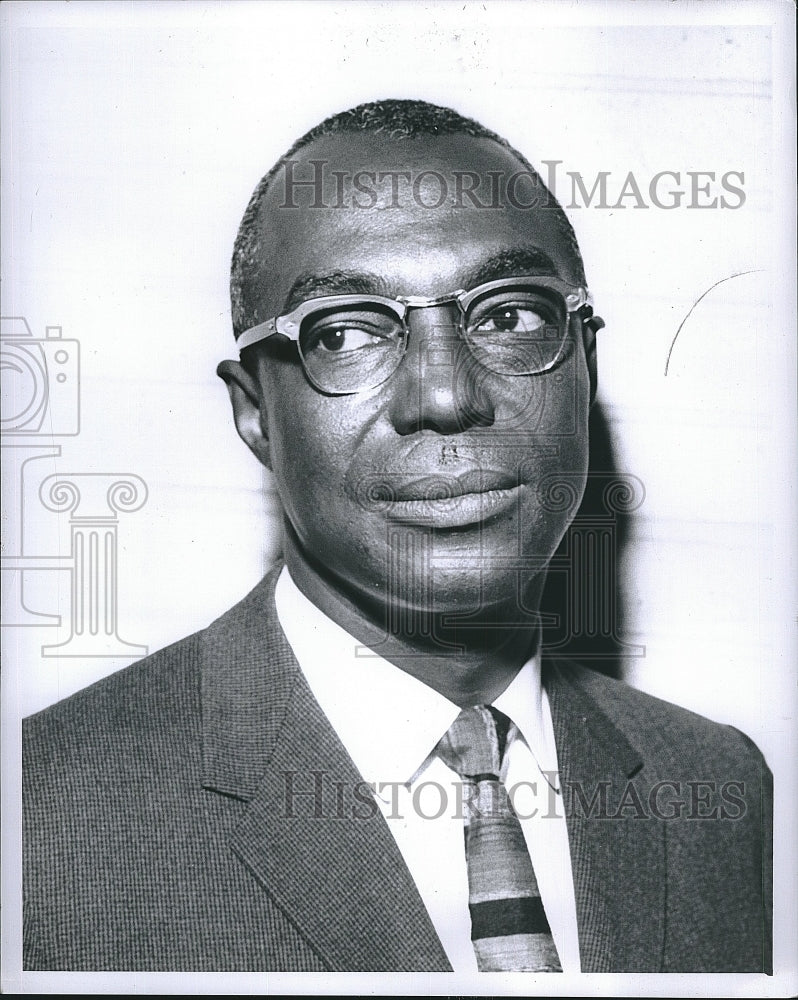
(464, 510)
(441, 487)
(447, 501)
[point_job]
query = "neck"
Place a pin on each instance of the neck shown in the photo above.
(469, 665)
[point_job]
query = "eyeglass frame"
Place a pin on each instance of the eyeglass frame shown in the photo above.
(289, 325)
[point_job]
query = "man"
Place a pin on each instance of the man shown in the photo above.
(418, 363)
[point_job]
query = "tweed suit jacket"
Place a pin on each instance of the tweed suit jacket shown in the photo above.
(158, 833)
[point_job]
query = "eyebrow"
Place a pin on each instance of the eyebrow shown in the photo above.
(510, 263)
(308, 286)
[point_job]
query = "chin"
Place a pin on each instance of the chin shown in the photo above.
(464, 588)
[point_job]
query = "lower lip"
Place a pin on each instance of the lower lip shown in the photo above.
(455, 512)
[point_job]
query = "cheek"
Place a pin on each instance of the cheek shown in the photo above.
(555, 453)
(312, 448)
(306, 455)
(552, 406)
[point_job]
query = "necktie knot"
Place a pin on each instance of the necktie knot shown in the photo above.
(475, 743)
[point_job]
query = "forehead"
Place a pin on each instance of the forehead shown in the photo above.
(400, 209)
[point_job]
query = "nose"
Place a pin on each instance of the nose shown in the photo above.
(439, 385)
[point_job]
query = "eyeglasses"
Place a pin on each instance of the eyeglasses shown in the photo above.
(353, 343)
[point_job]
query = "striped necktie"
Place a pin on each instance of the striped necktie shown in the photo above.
(509, 929)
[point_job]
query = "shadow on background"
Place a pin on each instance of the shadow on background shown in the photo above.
(584, 600)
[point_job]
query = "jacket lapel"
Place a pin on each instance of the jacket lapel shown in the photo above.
(617, 854)
(312, 835)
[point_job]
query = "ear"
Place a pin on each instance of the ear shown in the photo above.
(248, 412)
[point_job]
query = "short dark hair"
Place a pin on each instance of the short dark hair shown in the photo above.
(396, 119)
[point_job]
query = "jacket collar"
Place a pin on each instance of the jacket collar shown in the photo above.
(617, 856)
(248, 678)
(250, 674)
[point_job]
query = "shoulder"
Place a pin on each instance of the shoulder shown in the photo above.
(148, 712)
(152, 702)
(679, 738)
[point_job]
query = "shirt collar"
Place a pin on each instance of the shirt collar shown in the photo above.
(524, 701)
(388, 721)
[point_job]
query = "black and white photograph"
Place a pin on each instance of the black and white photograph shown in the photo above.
(399, 498)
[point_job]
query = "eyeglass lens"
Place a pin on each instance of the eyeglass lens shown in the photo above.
(353, 348)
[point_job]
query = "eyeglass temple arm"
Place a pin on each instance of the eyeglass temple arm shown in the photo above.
(261, 332)
(590, 321)
(585, 310)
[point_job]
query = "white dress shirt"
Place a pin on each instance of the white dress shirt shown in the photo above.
(390, 722)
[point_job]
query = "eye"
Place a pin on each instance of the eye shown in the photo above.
(515, 313)
(510, 319)
(349, 332)
(342, 338)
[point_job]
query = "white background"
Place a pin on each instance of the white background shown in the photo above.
(133, 136)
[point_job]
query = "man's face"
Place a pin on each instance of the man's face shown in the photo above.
(358, 475)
